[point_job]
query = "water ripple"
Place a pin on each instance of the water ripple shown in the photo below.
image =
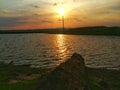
(48, 51)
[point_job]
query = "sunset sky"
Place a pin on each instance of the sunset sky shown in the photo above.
(34, 14)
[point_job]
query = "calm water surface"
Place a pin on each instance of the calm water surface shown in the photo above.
(49, 50)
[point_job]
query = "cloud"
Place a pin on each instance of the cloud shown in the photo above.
(75, 0)
(55, 4)
(27, 12)
(115, 7)
(4, 11)
(8, 22)
(46, 21)
(36, 6)
(11, 21)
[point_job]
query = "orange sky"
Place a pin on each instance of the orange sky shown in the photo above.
(34, 14)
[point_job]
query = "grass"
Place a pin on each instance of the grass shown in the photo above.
(19, 77)
(22, 85)
(25, 78)
(103, 79)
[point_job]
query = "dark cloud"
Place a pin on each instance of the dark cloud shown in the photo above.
(6, 22)
(77, 19)
(44, 15)
(74, 19)
(4, 11)
(117, 7)
(35, 6)
(62, 2)
(74, 0)
(11, 21)
(46, 21)
(55, 4)
(59, 3)
(36, 15)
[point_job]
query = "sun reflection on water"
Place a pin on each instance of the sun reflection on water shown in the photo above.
(60, 42)
(62, 49)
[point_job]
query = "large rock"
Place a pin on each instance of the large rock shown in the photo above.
(70, 75)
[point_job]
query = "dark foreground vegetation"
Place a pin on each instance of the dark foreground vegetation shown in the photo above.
(98, 30)
(21, 77)
(70, 74)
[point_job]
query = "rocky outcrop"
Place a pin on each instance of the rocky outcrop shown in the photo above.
(70, 75)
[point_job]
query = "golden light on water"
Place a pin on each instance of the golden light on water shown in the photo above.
(61, 45)
(60, 36)
(60, 39)
(61, 48)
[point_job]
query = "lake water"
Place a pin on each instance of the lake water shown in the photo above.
(49, 50)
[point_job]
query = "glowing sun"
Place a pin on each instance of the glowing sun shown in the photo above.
(61, 11)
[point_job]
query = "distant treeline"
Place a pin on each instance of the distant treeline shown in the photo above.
(98, 30)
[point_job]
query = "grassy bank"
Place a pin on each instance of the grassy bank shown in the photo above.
(25, 78)
(103, 79)
(97, 30)
(19, 77)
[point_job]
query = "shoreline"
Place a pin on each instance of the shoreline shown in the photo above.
(12, 76)
(98, 30)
